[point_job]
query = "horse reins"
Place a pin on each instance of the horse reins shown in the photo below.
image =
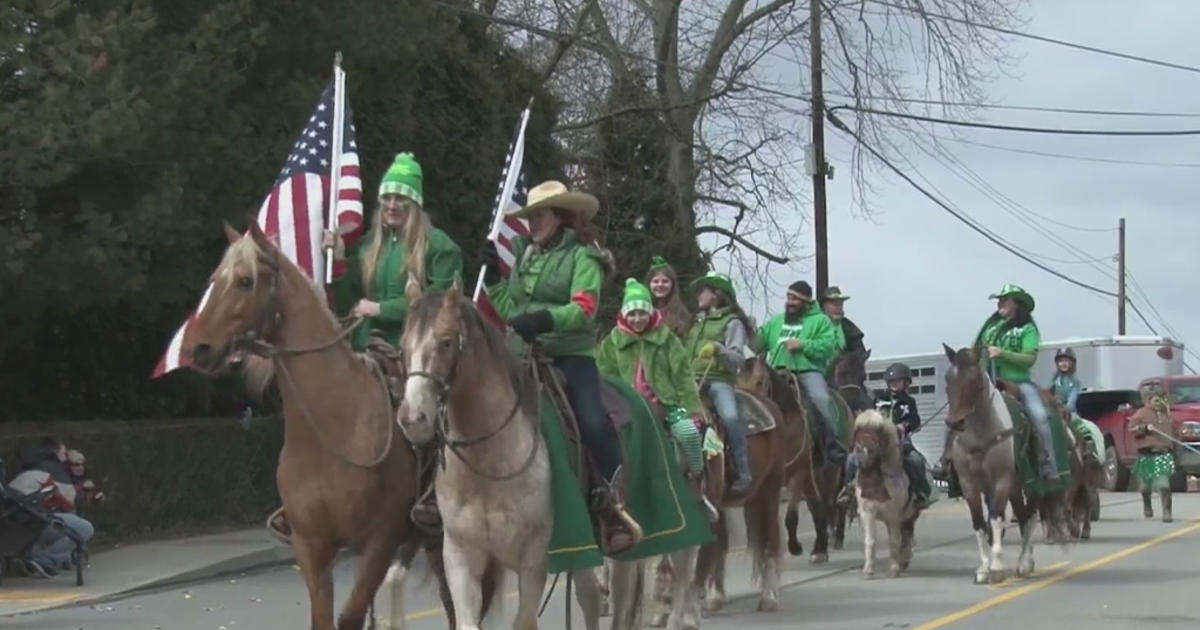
(253, 341)
(442, 422)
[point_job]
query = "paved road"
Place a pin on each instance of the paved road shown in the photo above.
(1132, 573)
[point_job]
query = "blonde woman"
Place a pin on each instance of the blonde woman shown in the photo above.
(401, 242)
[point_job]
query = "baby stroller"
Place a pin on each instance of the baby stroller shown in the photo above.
(22, 521)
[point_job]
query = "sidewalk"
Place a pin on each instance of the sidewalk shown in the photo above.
(145, 565)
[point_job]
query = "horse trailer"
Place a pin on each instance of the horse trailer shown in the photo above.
(1102, 363)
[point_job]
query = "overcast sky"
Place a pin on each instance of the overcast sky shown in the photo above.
(918, 277)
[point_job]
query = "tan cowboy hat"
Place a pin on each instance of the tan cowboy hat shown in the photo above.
(554, 194)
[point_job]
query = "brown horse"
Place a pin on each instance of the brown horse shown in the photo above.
(983, 458)
(768, 452)
(346, 476)
(809, 477)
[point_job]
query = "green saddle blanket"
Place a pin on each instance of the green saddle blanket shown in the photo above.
(1088, 431)
(657, 495)
(1025, 451)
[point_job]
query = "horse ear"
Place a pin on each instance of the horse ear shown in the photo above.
(950, 354)
(260, 237)
(456, 286)
(867, 356)
(231, 233)
(412, 290)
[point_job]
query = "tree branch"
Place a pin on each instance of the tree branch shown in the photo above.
(640, 109)
(716, 229)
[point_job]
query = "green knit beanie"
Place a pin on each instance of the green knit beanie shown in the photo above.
(403, 177)
(637, 298)
(659, 263)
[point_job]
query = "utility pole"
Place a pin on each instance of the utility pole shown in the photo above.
(818, 140)
(1121, 277)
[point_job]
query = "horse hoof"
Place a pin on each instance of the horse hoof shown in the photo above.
(997, 576)
(1025, 569)
(714, 604)
(839, 545)
(868, 573)
(981, 577)
(894, 573)
(818, 558)
(904, 565)
(768, 604)
(658, 620)
(795, 548)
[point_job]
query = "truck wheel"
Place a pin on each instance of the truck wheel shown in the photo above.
(1094, 513)
(1179, 481)
(1116, 475)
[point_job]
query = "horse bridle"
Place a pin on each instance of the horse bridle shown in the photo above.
(442, 421)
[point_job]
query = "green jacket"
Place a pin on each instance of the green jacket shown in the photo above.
(443, 263)
(1019, 346)
(666, 364)
(564, 280)
(708, 328)
(815, 331)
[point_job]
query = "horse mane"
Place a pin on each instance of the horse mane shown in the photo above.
(243, 251)
(788, 404)
(425, 310)
(873, 420)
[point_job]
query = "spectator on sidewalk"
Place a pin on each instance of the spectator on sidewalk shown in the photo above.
(52, 551)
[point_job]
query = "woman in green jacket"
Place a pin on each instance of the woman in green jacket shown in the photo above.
(1008, 343)
(644, 352)
(551, 296)
(400, 243)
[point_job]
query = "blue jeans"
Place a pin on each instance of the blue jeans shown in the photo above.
(596, 432)
(1041, 420)
(725, 400)
(53, 549)
(818, 392)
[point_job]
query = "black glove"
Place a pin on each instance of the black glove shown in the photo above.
(530, 325)
(490, 258)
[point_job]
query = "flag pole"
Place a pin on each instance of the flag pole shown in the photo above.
(506, 188)
(335, 154)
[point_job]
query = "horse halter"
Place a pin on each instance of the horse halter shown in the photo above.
(252, 340)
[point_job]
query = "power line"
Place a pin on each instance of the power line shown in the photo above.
(837, 123)
(1083, 158)
(1045, 130)
(1024, 108)
(1040, 38)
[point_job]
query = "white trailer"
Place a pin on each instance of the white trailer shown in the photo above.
(1103, 363)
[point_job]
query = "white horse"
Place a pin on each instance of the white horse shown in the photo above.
(882, 490)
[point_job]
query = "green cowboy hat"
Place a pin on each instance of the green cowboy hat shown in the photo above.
(1017, 293)
(835, 294)
(715, 280)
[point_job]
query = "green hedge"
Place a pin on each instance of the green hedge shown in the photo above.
(169, 475)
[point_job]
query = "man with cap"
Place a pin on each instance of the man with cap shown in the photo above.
(850, 338)
(803, 341)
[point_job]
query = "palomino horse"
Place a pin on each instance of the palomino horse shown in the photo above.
(985, 463)
(882, 490)
(345, 477)
(768, 453)
(465, 389)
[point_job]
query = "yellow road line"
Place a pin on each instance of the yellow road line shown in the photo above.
(1055, 579)
(37, 597)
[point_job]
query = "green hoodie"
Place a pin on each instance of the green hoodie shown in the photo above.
(564, 280)
(1018, 345)
(443, 263)
(666, 364)
(814, 330)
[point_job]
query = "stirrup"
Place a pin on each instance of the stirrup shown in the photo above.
(278, 526)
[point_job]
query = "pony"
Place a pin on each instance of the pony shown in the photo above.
(881, 489)
(983, 458)
(345, 475)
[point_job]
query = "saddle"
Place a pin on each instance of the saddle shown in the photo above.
(388, 359)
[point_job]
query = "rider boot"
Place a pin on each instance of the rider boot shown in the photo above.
(1147, 509)
(278, 526)
(618, 531)
(846, 495)
(1165, 493)
(914, 467)
(941, 470)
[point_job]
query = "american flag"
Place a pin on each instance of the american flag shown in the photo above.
(295, 213)
(505, 229)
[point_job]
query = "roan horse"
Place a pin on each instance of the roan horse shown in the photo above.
(984, 461)
(345, 477)
(882, 490)
(465, 389)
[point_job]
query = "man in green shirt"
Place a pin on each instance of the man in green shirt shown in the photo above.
(803, 341)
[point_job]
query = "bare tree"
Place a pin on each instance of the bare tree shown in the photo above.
(729, 81)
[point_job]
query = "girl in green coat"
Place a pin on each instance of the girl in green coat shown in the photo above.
(643, 351)
(400, 244)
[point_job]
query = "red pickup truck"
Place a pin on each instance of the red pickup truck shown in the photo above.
(1111, 410)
